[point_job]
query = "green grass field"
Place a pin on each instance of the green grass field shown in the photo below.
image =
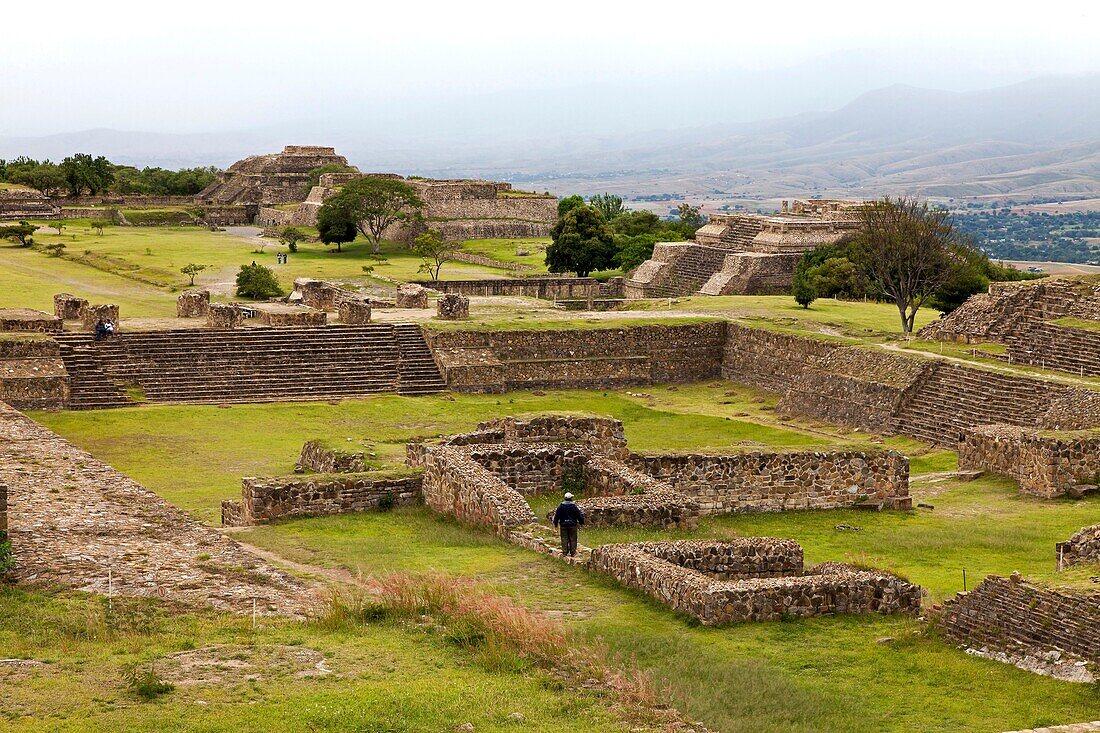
(813, 675)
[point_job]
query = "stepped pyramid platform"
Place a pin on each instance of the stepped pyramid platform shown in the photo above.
(212, 366)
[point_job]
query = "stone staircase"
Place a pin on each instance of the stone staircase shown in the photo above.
(90, 388)
(950, 398)
(254, 365)
(1051, 346)
(740, 233)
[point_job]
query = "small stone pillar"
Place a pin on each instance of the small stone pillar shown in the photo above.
(193, 304)
(68, 307)
(93, 314)
(355, 312)
(221, 315)
(318, 294)
(453, 307)
(411, 295)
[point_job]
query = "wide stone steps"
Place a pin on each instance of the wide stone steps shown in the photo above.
(254, 365)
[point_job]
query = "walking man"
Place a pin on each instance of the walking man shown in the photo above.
(567, 517)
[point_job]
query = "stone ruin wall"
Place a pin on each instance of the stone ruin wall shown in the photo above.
(497, 361)
(755, 593)
(279, 497)
(620, 496)
(1021, 619)
(1082, 547)
(18, 203)
(320, 458)
(3, 511)
(32, 374)
(28, 320)
(456, 485)
(749, 273)
(546, 288)
(784, 481)
(1047, 465)
(193, 304)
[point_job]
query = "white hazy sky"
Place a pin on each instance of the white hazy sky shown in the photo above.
(216, 66)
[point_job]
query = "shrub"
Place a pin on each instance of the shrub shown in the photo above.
(387, 501)
(144, 682)
(257, 281)
(7, 561)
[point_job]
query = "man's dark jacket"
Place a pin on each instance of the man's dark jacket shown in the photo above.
(568, 514)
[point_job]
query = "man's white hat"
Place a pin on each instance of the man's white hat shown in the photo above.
(568, 495)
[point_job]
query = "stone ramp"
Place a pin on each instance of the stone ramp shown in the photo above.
(76, 522)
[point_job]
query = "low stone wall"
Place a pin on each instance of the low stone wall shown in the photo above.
(1046, 464)
(411, 295)
(601, 435)
(32, 374)
(1022, 619)
(784, 480)
(267, 499)
(320, 458)
(27, 320)
(603, 358)
(659, 508)
(529, 468)
(93, 314)
(1082, 547)
(546, 288)
(355, 312)
(68, 307)
(828, 589)
(453, 307)
(456, 485)
(737, 559)
(221, 315)
(290, 316)
(193, 304)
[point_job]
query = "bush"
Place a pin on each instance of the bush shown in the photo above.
(387, 501)
(7, 561)
(256, 281)
(144, 682)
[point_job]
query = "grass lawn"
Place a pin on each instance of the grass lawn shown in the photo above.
(383, 677)
(813, 675)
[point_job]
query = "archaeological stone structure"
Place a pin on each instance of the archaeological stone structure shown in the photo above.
(22, 203)
(1022, 620)
(24, 320)
(411, 295)
(743, 254)
(193, 304)
(278, 178)
(452, 307)
(32, 373)
(751, 579)
(1082, 547)
(1045, 463)
(68, 307)
(1050, 323)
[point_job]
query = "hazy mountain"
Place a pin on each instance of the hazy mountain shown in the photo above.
(1033, 138)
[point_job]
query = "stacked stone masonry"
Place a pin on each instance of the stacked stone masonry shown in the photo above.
(453, 307)
(22, 203)
(68, 307)
(32, 374)
(193, 304)
(92, 315)
(1021, 619)
(546, 288)
(224, 316)
(28, 320)
(1082, 547)
(1046, 464)
(321, 458)
(756, 579)
(267, 499)
(411, 295)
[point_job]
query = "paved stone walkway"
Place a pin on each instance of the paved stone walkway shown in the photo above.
(77, 522)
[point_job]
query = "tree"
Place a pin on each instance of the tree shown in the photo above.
(689, 216)
(54, 249)
(257, 281)
(907, 251)
(582, 243)
(374, 204)
(20, 233)
(193, 269)
(569, 203)
(608, 204)
(435, 252)
(99, 225)
(82, 171)
(633, 251)
(290, 237)
(58, 225)
(46, 178)
(336, 223)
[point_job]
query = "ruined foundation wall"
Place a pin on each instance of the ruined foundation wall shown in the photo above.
(1045, 464)
(1082, 547)
(318, 457)
(1020, 618)
(782, 481)
(456, 485)
(530, 469)
(278, 497)
(547, 288)
(32, 374)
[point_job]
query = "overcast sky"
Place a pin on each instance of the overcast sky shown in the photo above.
(389, 69)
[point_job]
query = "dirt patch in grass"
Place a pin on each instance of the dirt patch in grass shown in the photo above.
(225, 664)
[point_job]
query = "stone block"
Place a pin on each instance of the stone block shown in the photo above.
(28, 320)
(68, 307)
(453, 307)
(93, 314)
(355, 312)
(221, 315)
(411, 295)
(193, 304)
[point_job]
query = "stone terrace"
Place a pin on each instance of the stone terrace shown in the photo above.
(73, 519)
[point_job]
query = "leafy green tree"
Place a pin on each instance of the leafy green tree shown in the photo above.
(802, 290)
(54, 249)
(58, 225)
(690, 217)
(434, 251)
(336, 223)
(290, 237)
(83, 172)
(257, 281)
(46, 178)
(633, 251)
(374, 204)
(192, 269)
(99, 225)
(608, 204)
(20, 233)
(908, 251)
(569, 203)
(582, 243)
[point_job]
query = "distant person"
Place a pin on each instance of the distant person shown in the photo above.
(100, 330)
(567, 518)
(109, 327)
